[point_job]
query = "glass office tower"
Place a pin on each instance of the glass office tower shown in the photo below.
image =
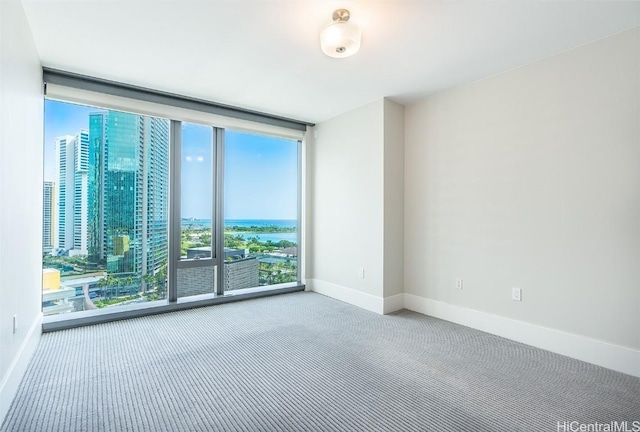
(128, 190)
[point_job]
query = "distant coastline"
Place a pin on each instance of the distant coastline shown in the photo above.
(280, 223)
(265, 229)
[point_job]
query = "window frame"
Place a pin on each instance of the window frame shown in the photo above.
(177, 115)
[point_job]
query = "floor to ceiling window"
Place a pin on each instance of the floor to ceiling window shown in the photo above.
(197, 267)
(106, 208)
(261, 207)
(141, 209)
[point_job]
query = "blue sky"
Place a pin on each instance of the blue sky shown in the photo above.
(260, 171)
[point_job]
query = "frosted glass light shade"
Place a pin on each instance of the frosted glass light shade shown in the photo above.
(340, 39)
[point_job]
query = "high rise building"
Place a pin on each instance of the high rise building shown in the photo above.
(80, 192)
(128, 192)
(64, 236)
(48, 215)
(156, 200)
(71, 194)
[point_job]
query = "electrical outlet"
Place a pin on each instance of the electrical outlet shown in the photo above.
(361, 273)
(459, 283)
(15, 324)
(516, 294)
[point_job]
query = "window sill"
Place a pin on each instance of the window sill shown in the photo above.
(99, 316)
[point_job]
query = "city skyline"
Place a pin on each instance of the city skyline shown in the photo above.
(260, 171)
(113, 195)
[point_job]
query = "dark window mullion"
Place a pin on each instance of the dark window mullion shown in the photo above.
(175, 234)
(219, 206)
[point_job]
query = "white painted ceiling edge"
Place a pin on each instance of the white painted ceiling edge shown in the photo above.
(265, 55)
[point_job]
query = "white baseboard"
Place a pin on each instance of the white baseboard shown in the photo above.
(11, 380)
(357, 298)
(618, 358)
(393, 303)
(347, 295)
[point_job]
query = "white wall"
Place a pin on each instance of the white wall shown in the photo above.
(393, 248)
(345, 168)
(20, 197)
(354, 168)
(531, 179)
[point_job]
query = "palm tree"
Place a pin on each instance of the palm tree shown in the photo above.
(107, 282)
(129, 281)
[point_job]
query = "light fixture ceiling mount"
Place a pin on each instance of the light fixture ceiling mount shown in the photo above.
(341, 15)
(340, 38)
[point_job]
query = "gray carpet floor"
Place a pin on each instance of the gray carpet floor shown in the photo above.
(305, 362)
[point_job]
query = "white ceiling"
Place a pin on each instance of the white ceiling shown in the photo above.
(265, 55)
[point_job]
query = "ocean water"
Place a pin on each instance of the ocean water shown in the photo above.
(263, 236)
(287, 223)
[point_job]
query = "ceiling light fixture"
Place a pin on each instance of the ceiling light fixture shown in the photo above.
(340, 38)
